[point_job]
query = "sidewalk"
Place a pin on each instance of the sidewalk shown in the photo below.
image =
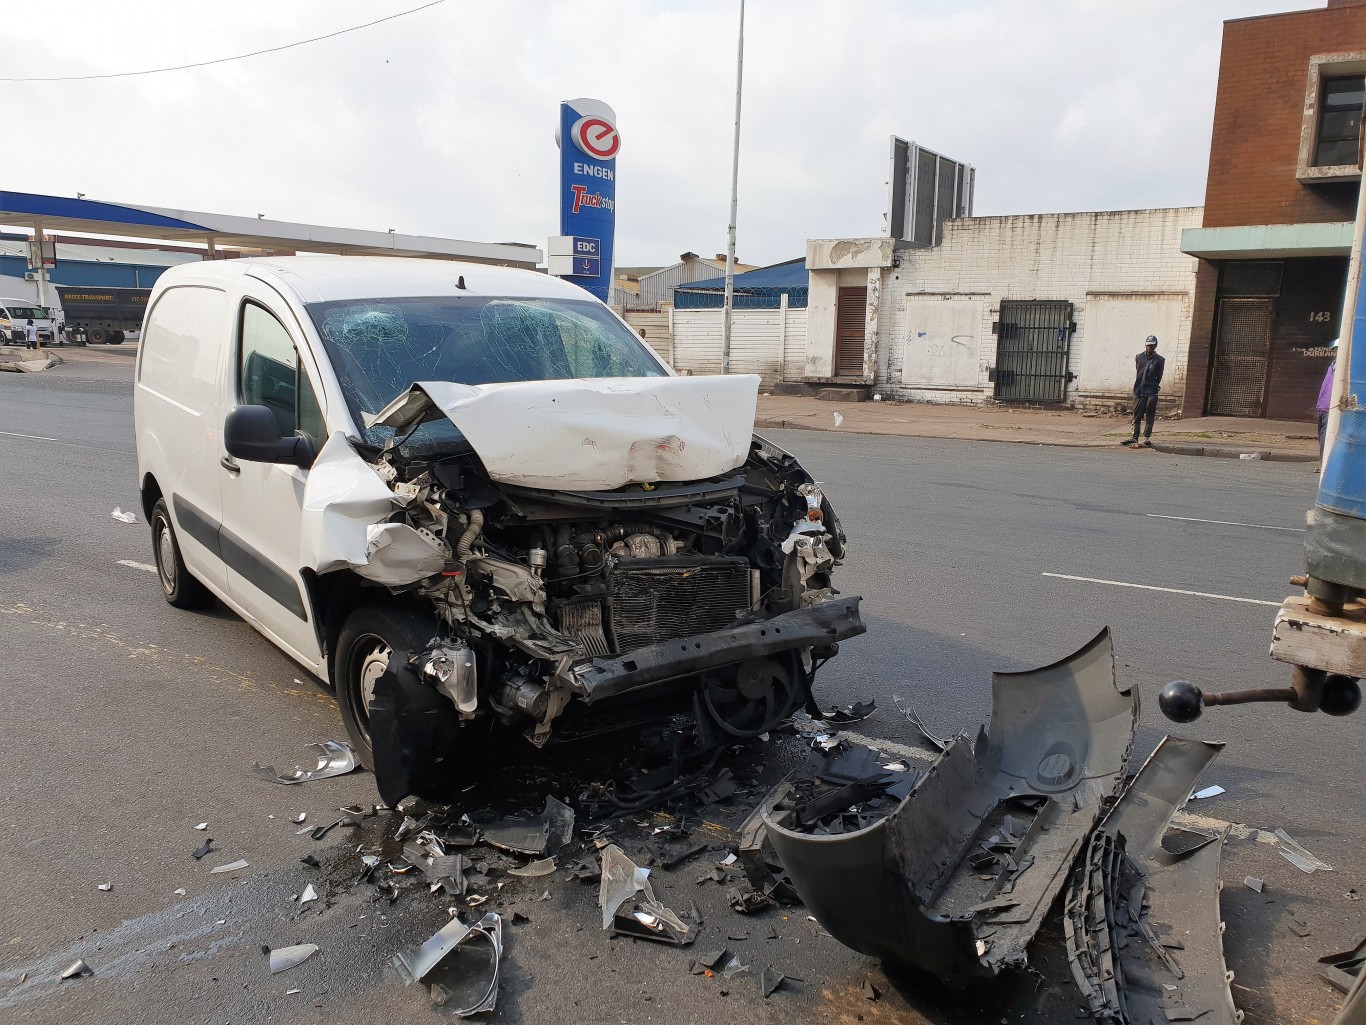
(1229, 437)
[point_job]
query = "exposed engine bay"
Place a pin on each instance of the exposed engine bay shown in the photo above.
(549, 601)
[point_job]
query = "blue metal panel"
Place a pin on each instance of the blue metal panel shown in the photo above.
(88, 273)
(86, 209)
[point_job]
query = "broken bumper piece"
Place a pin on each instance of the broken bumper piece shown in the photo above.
(1143, 931)
(958, 879)
(468, 980)
(812, 627)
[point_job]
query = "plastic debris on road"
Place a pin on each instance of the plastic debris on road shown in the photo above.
(629, 906)
(309, 894)
(77, 970)
(232, 866)
(416, 964)
(284, 958)
(839, 419)
(123, 517)
(1207, 792)
(1298, 856)
(333, 758)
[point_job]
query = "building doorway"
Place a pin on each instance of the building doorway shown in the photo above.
(1242, 357)
(851, 324)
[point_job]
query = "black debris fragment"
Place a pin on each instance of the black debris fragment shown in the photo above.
(770, 979)
(856, 712)
(311, 861)
(1341, 970)
(205, 848)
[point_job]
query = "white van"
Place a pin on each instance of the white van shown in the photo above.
(471, 497)
(15, 315)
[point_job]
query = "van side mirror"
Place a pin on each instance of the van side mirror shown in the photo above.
(252, 433)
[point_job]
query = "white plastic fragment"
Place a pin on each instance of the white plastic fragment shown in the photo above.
(77, 970)
(1210, 791)
(106, 887)
(232, 866)
(300, 817)
(285, 958)
(1249, 455)
(729, 859)
(839, 419)
(308, 894)
(291, 992)
(202, 826)
(180, 892)
(1298, 856)
(123, 517)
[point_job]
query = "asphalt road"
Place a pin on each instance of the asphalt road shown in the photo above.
(126, 722)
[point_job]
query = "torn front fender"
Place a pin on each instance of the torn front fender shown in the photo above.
(1015, 808)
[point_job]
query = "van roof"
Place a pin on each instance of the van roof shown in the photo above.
(325, 278)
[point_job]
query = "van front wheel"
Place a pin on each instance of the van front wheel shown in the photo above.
(370, 636)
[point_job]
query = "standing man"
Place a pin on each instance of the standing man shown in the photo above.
(30, 334)
(1147, 383)
(1326, 397)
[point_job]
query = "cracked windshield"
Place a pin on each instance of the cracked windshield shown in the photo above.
(379, 347)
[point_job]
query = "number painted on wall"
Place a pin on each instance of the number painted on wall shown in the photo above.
(1321, 317)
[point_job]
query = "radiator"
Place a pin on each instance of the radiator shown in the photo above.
(655, 600)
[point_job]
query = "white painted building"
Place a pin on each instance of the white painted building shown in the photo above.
(1046, 308)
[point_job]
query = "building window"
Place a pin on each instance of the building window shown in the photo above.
(1339, 136)
(1330, 134)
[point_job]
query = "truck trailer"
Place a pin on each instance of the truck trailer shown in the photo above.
(102, 315)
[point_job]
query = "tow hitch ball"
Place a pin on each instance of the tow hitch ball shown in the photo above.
(1311, 690)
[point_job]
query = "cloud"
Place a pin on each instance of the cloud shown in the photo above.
(442, 123)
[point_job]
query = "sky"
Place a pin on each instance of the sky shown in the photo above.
(442, 122)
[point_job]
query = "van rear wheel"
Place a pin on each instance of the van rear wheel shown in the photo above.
(178, 585)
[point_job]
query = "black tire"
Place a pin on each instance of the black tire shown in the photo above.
(369, 635)
(115, 337)
(178, 584)
(97, 336)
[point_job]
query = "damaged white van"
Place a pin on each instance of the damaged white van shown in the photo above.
(471, 497)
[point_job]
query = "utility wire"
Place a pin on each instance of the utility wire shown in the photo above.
(222, 60)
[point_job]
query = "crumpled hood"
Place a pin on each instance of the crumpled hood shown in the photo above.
(592, 435)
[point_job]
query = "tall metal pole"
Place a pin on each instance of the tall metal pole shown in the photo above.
(734, 194)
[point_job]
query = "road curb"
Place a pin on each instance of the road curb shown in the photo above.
(1214, 451)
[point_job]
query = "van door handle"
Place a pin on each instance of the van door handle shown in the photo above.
(229, 464)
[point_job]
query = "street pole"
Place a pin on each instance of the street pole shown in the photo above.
(734, 193)
(42, 281)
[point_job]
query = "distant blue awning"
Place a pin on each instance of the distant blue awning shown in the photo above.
(755, 289)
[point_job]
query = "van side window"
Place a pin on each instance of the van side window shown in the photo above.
(269, 374)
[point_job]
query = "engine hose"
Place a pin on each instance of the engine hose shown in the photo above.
(464, 546)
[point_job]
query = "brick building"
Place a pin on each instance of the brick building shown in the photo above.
(1280, 202)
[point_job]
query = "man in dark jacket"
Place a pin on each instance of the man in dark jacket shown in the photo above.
(1147, 383)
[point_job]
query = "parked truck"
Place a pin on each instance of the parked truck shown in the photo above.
(101, 316)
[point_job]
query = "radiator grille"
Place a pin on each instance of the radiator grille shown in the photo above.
(657, 600)
(581, 618)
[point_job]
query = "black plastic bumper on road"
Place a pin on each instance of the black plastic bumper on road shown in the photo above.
(831, 621)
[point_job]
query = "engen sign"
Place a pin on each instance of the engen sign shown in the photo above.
(588, 189)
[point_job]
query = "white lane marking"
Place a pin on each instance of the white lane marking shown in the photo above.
(1235, 829)
(1166, 590)
(1226, 523)
(30, 437)
(137, 565)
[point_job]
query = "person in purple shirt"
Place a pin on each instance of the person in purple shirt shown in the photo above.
(1326, 397)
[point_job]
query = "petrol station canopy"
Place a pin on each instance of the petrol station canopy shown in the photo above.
(46, 214)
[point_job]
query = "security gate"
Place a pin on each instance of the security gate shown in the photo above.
(1033, 343)
(1241, 356)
